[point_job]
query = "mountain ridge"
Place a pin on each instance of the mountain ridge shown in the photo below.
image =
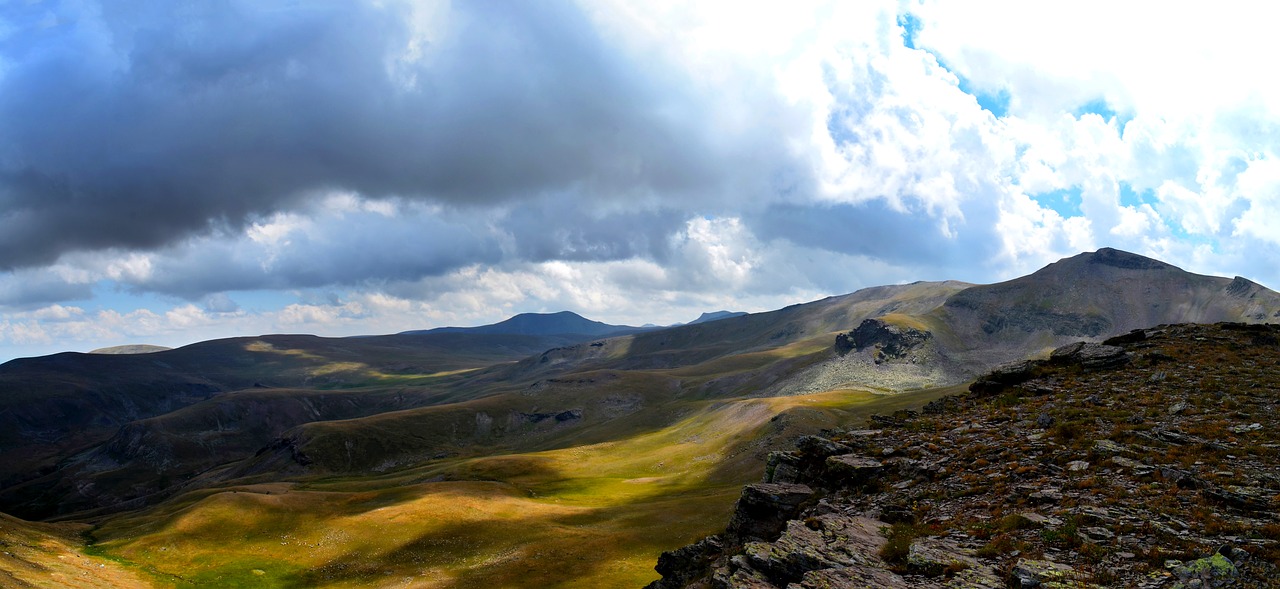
(145, 438)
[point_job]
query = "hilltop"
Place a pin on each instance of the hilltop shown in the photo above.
(561, 323)
(131, 349)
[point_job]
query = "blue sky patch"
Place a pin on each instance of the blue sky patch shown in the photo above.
(1132, 198)
(996, 104)
(1065, 201)
(1102, 108)
(910, 26)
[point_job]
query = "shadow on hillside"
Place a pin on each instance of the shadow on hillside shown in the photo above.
(535, 550)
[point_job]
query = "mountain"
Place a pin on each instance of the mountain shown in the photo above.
(562, 323)
(716, 316)
(130, 349)
(607, 444)
(61, 415)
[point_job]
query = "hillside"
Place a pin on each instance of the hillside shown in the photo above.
(50, 556)
(57, 412)
(1150, 462)
(593, 443)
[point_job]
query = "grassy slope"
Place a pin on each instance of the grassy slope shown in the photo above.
(593, 515)
(49, 556)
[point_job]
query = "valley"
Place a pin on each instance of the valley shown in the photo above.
(530, 455)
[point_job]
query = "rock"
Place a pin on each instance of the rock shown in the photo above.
(782, 467)
(852, 470)
(1037, 573)
(1244, 429)
(890, 341)
(979, 577)
(940, 406)
(1133, 337)
(1109, 447)
(826, 542)
(896, 513)
(763, 509)
(1077, 465)
(1046, 495)
(1211, 571)
(1003, 377)
(1096, 534)
(747, 579)
(1177, 408)
(854, 577)
(1041, 520)
(820, 447)
(1238, 497)
(1090, 356)
(1044, 421)
(682, 565)
(932, 557)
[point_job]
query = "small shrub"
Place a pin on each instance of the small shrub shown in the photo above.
(900, 536)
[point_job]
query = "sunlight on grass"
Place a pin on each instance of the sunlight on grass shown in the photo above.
(901, 320)
(593, 515)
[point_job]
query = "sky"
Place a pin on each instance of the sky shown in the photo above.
(177, 172)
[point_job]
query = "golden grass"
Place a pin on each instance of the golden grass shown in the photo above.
(592, 515)
(48, 556)
(901, 320)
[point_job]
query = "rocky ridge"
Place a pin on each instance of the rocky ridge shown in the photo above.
(1151, 459)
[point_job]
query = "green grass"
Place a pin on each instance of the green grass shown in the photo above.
(585, 515)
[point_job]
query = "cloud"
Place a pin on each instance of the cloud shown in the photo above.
(379, 166)
(135, 128)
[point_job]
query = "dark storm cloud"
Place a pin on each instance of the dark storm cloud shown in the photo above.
(139, 126)
(350, 249)
(362, 248)
(561, 229)
(877, 230)
(27, 289)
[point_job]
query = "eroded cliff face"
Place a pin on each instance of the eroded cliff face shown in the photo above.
(888, 341)
(1148, 460)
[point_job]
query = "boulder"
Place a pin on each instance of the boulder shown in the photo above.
(1040, 573)
(763, 509)
(782, 467)
(932, 557)
(820, 447)
(1090, 356)
(853, 470)
(1004, 376)
(680, 566)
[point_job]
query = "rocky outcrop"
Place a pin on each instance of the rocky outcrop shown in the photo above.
(1144, 462)
(1085, 355)
(764, 508)
(889, 341)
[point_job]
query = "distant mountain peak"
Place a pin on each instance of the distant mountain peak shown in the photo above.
(557, 323)
(716, 316)
(131, 349)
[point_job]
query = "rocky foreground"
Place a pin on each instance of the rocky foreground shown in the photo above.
(1150, 460)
